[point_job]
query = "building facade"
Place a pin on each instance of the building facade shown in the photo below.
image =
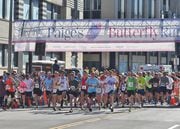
(34, 10)
(130, 9)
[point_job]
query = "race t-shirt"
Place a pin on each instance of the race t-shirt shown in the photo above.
(111, 83)
(92, 84)
(164, 81)
(154, 82)
(48, 82)
(141, 83)
(131, 83)
(147, 78)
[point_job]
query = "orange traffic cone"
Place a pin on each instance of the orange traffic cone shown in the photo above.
(173, 100)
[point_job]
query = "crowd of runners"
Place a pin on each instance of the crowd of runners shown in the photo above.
(104, 89)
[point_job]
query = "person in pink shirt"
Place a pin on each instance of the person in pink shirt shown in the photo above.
(22, 89)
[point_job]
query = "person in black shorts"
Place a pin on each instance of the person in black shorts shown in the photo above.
(74, 90)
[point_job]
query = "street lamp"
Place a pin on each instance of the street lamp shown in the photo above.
(10, 39)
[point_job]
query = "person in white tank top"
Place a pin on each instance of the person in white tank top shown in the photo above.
(63, 86)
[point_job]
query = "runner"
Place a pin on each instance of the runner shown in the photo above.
(48, 87)
(164, 81)
(29, 83)
(111, 83)
(63, 86)
(84, 88)
(10, 90)
(92, 82)
(2, 92)
(141, 85)
(73, 91)
(155, 87)
(131, 83)
(103, 86)
(99, 90)
(169, 88)
(37, 91)
(123, 90)
(55, 89)
(22, 90)
(149, 95)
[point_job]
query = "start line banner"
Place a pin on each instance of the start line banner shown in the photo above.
(97, 31)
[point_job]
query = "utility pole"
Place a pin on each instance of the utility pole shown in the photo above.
(30, 53)
(10, 39)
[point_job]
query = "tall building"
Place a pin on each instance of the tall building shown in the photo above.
(131, 10)
(34, 10)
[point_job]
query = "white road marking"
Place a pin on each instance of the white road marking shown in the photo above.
(173, 127)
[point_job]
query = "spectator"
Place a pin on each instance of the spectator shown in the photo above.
(87, 70)
(55, 66)
(2, 91)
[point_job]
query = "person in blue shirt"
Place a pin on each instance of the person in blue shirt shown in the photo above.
(92, 83)
(48, 84)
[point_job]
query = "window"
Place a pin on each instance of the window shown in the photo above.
(140, 8)
(1, 8)
(7, 9)
(92, 9)
(53, 11)
(96, 14)
(15, 59)
(35, 9)
(57, 12)
(150, 9)
(26, 9)
(120, 4)
(49, 11)
(1, 56)
(87, 14)
(132, 8)
(96, 4)
(25, 59)
(74, 14)
(87, 4)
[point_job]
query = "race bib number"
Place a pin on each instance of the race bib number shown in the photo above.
(84, 87)
(21, 90)
(62, 85)
(36, 85)
(54, 90)
(7, 87)
(93, 85)
(48, 88)
(73, 88)
(155, 85)
(130, 84)
(91, 89)
(98, 90)
(123, 87)
(163, 84)
(109, 88)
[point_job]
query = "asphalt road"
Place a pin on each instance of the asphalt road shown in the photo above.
(44, 118)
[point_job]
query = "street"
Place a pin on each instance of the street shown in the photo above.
(45, 118)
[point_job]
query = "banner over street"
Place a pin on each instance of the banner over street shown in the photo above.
(97, 31)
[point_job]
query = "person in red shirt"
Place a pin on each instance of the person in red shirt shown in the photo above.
(84, 94)
(10, 86)
(22, 88)
(10, 90)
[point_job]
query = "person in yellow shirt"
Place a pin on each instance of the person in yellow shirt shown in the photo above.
(141, 86)
(149, 95)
